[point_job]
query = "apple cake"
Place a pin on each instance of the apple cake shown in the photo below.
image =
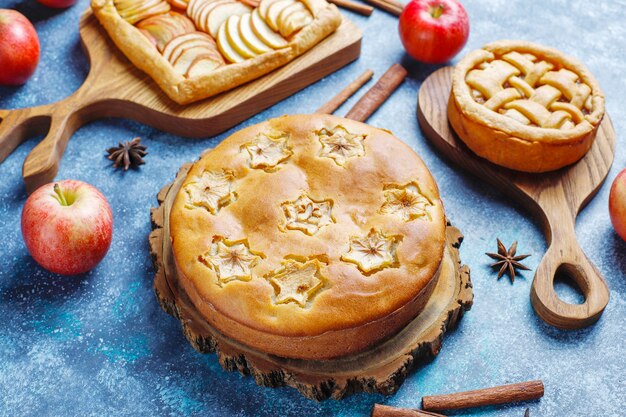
(525, 106)
(309, 236)
(194, 49)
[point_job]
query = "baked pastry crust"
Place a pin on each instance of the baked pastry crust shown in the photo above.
(138, 49)
(525, 106)
(355, 266)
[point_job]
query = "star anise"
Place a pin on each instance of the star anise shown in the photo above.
(507, 260)
(127, 154)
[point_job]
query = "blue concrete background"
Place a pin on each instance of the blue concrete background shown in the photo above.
(99, 344)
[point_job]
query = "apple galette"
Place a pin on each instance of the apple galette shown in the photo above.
(308, 237)
(198, 48)
(525, 106)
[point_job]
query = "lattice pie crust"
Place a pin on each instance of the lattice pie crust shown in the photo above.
(525, 106)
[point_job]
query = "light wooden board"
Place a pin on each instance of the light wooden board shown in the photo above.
(115, 88)
(554, 198)
(381, 369)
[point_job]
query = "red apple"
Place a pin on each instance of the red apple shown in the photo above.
(434, 31)
(19, 48)
(67, 226)
(617, 204)
(57, 4)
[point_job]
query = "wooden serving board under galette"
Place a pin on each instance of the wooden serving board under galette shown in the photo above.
(116, 88)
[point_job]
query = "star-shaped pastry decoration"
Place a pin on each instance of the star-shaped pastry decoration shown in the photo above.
(340, 145)
(211, 190)
(507, 261)
(231, 260)
(267, 152)
(296, 281)
(372, 252)
(405, 201)
(307, 215)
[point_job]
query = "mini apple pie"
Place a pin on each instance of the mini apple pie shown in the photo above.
(308, 237)
(198, 48)
(525, 106)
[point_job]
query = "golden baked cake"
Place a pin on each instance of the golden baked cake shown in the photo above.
(194, 49)
(308, 236)
(525, 106)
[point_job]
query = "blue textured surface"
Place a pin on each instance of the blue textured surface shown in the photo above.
(99, 344)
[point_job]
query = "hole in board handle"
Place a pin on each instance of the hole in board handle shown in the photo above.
(569, 284)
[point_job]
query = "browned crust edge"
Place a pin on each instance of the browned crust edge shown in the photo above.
(385, 379)
(144, 56)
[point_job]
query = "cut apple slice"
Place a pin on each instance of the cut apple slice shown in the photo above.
(174, 44)
(192, 7)
(222, 12)
(202, 66)
(225, 48)
(252, 3)
(295, 21)
(274, 11)
(263, 6)
(183, 62)
(251, 40)
(179, 4)
(203, 19)
(265, 33)
(135, 11)
(177, 46)
(232, 32)
(292, 8)
(165, 27)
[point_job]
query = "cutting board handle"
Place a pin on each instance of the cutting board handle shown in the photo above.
(566, 258)
(58, 121)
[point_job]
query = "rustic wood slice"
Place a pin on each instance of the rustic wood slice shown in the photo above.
(381, 369)
(554, 198)
(116, 88)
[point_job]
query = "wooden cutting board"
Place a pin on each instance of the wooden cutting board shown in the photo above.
(115, 88)
(382, 368)
(554, 198)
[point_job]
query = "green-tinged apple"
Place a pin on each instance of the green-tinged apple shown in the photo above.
(19, 48)
(265, 33)
(226, 48)
(221, 13)
(234, 37)
(617, 204)
(249, 37)
(67, 226)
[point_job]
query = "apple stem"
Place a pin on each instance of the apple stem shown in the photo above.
(59, 195)
(436, 12)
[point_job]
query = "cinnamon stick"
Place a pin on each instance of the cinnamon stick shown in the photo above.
(377, 95)
(523, 391)
(359, 8)
(345, 94)
(392, 6)
(380, 410)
